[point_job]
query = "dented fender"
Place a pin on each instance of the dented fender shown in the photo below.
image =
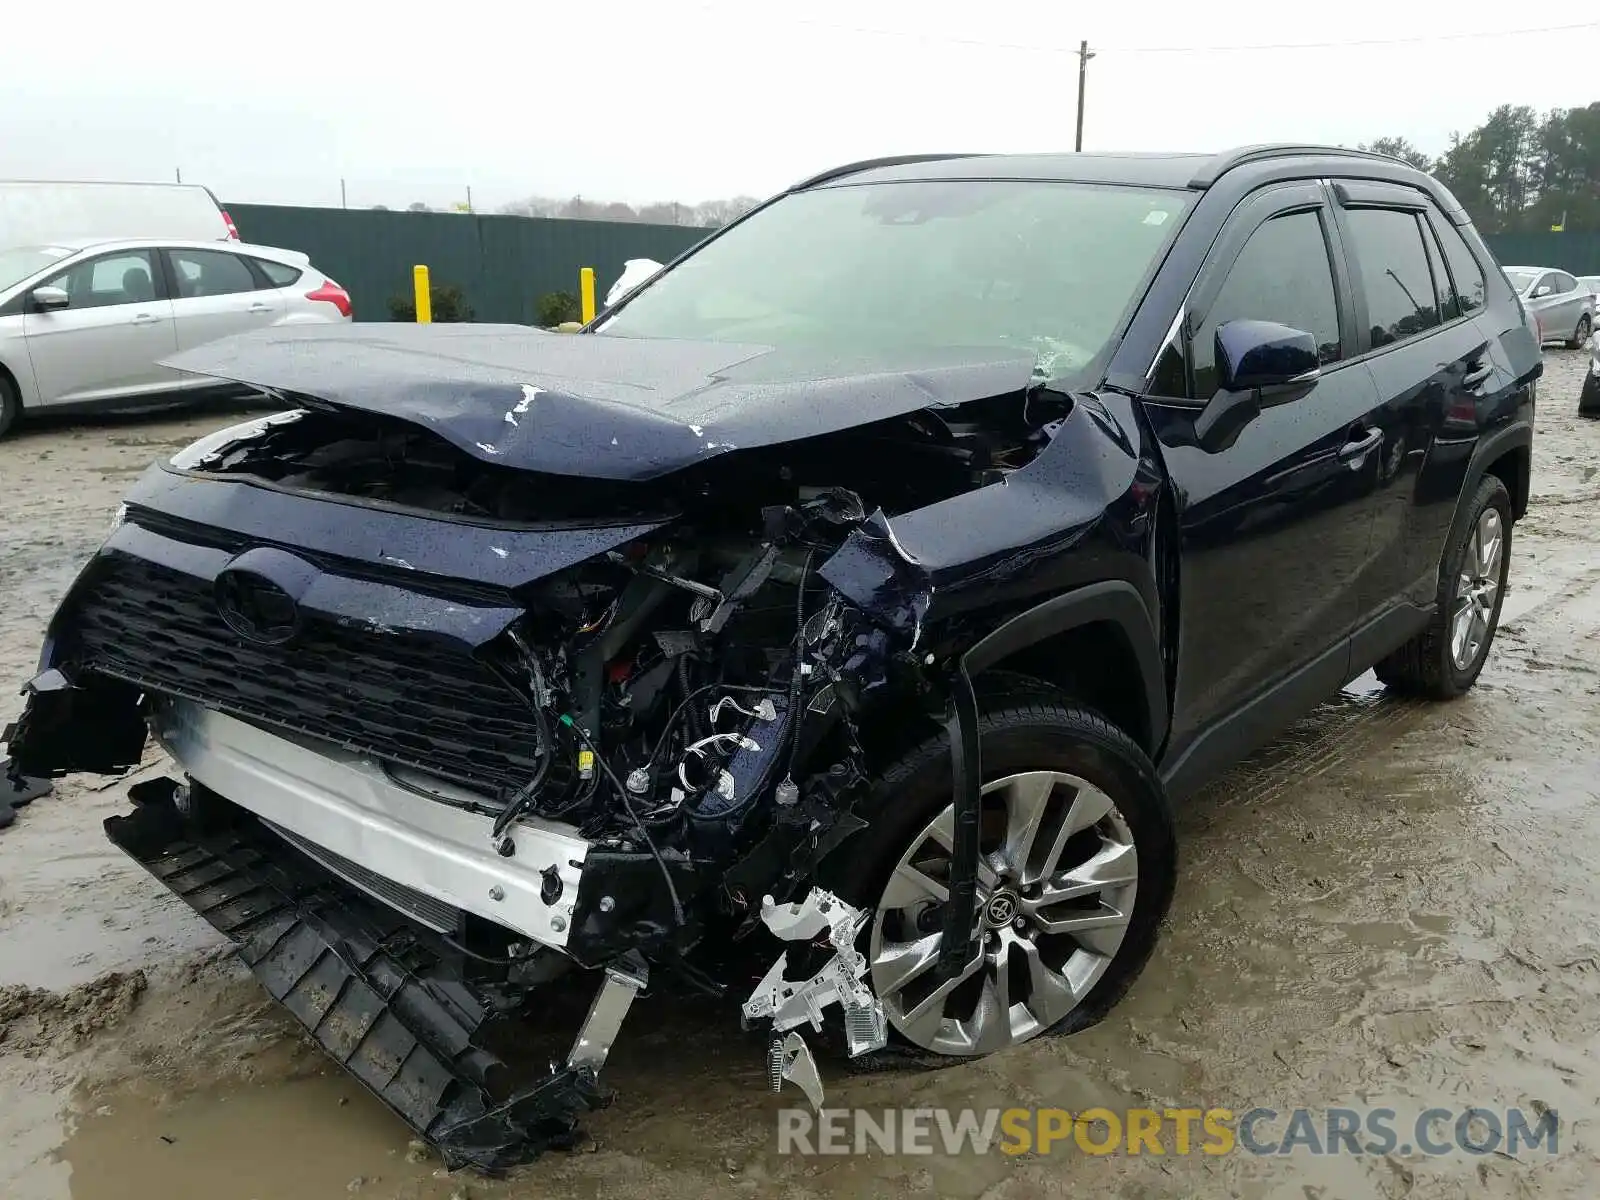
(1004, 547)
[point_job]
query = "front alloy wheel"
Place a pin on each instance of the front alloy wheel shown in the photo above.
(1056, 889)
(1077, 860)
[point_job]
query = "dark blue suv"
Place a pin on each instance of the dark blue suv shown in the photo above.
(867, 584)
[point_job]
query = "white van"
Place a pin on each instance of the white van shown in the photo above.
(36, 212)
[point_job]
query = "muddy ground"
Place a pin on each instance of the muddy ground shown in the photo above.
(1395, 905)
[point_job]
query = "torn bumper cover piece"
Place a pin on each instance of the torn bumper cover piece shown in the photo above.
(841, 981)
(370, 992)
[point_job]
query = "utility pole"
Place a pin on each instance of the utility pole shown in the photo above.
(1084, 55)
(344, 199)
(469, 197)
(179, 172)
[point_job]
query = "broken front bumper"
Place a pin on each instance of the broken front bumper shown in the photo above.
(375, 996)
(410, 843)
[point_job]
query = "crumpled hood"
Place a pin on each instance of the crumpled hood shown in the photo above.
(595, 405)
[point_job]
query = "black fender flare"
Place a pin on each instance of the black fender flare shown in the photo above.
(1490, 448)
(1493, 446)
(1113, 601)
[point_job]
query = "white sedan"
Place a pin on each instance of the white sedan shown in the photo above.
(85, 324)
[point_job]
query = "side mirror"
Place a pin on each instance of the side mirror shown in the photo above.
(1261, 355)
(1260, 364)
(49, 299)
(1543, 290)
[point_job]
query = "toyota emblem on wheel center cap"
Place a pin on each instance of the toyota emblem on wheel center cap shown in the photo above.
(1001, 909)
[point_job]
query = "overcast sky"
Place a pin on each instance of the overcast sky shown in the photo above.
(635, 101)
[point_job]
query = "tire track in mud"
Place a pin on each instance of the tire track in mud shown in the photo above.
(1470, 986)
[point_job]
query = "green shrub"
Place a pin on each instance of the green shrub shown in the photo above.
(449, 304)
(557, 308)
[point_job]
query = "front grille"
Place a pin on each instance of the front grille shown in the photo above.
(394, 696)
(435, 914)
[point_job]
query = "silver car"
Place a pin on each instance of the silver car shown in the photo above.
(85, 324)
(1563, 307)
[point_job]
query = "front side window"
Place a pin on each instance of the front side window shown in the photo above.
(1392, 265)
(861, 270)
(126, 278)
(198, 273)
(1283, 274)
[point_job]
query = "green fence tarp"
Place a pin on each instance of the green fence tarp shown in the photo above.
(1575, 253)
(502, 264)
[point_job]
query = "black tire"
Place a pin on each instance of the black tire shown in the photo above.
(1023, 725)
(1424, 666)
(1589, 397)
(1581, 334)
(10, 405)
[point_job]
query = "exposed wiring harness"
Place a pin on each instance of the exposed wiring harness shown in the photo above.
(627, 803)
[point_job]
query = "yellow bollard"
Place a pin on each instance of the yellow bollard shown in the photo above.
(586, 293)
(419, 280)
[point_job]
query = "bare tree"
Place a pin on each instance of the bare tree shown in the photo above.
(659, 212)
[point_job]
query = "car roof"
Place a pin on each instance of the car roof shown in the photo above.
(1191, 170)
(80, 244)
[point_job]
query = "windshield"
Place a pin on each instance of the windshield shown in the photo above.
(1521, 280)
(1050, 268)
(19, 263)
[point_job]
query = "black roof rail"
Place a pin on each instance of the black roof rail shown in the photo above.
(1220, 164)
(868, 164)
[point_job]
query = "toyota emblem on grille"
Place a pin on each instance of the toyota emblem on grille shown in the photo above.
(255, 608)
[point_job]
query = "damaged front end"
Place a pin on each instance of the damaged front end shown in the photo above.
(449, 726)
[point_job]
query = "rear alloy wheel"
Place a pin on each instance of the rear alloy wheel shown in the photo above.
(1477, 598)
(1076, 869)
(1581, 334)
(1444, 660)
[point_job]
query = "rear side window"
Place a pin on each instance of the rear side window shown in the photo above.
(1392, 265)
(1565, 282)
(197, 273)
(1283, 274)
(1444, 295)
(1465, 272)
(278, 274)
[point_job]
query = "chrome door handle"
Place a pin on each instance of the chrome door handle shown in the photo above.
(1477, 375)
(145, 319)
(1351, 451)
(260, 308)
